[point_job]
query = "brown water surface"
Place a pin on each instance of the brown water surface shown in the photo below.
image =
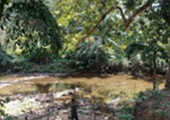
(93, 85)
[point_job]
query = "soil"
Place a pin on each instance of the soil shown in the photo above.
(157, 107)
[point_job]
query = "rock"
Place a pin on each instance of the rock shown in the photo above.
(41, 106)
(63, 93)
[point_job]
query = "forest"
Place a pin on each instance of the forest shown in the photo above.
(99, 59)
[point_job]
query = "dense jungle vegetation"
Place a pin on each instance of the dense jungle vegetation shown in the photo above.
(87, 36)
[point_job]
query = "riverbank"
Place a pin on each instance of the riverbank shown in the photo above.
(41, 96)
(51, 106)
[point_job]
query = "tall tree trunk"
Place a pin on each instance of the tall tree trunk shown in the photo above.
(167, 85)
(155, 71)
(154, 79)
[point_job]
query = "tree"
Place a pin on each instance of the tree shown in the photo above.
(131, 5)
(126, 21)
(151, 54)
(151, 36)
(156, 8)
(31, 31)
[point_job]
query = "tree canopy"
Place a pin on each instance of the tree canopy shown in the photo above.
(88, 36)
(101, 33)
(30, 26)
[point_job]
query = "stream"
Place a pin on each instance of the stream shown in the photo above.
(48, 96)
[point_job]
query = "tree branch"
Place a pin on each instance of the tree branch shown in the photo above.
(100, 20)
(127, 22)
(138, 11)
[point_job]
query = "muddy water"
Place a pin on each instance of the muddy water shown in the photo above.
(93, 85)
(42, 94)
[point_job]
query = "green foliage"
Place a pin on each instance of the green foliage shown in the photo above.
(147, 46)
(88, 59)
(131, 4)
(2, 102)
(34, 28)
(143, 96)
(55, 66)
(124, 111)
(158, 105)
(148, 52)
(126, 117)
(5, 59)
(30, 26)
(166, 10)
(159, 112)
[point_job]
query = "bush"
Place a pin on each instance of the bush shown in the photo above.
(2, 112)
(5, 60)
(88, 62)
